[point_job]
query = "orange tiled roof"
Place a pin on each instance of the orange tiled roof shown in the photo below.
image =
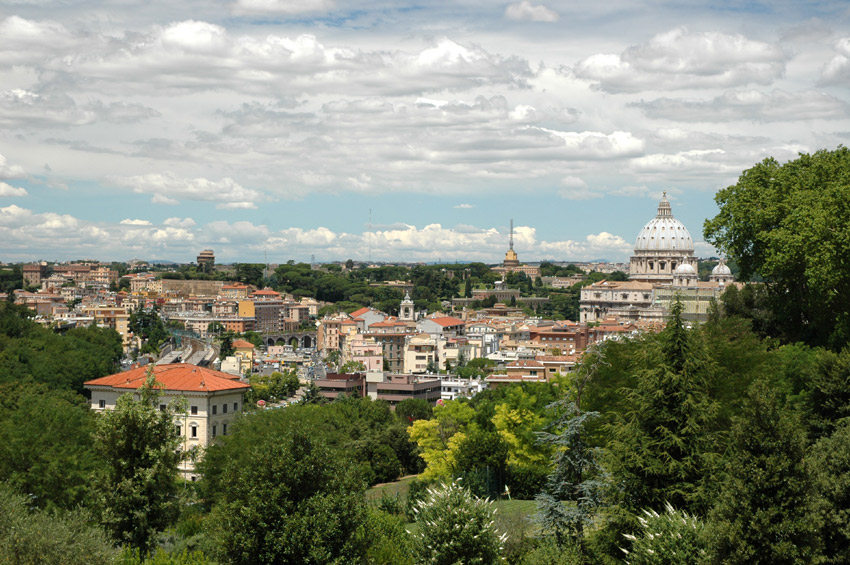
(241, 344)
(525, 363)
(447, 321)
(360, 312)
(176, 376)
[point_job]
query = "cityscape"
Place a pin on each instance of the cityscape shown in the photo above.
(533, 283)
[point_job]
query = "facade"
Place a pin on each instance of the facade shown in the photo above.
(214, 399)
(206, 259)
(33, 273)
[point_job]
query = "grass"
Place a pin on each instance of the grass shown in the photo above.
(513, 516)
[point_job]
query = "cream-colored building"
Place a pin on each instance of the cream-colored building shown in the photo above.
(662, 245)
(213, 400)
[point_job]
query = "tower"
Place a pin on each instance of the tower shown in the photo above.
(511, 259)
(406, 312)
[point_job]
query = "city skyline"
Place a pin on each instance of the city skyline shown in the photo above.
(287, 129)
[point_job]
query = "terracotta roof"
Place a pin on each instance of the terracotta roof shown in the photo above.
(360, 312)
(265, 292)
(176, 376)
(241, 343)
(447, 321)
(558, 358)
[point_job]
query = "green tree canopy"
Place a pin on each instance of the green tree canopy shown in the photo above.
(788, 223)
(138, 483)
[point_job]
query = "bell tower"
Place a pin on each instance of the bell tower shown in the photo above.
(406, 312)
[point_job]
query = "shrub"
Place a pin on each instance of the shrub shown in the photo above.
(666, 539)
(456, 526)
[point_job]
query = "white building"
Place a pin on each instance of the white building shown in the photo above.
(213, 401)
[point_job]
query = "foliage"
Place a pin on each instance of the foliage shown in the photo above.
(132, 556)
(273, 387)
(455, 526)
(481, 461)
(45, 444)
(411, 409)
(575, 478)
(788, 223)
(765, 511)
(314, 515)
(517, 419)
(548, 552)
(389, 542)
(671, 538)
(146, 324)
(60, 361)
(830, 463)
(39, 537)
(439, 438)
(137, 483)
(664, 446)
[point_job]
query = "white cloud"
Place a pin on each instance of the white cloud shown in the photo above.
(179, 222)
(465, 206)
(131, 222)
(836, 71)
(285, 7)
(26, 109)
(7, 190)
(597, 145)
(525, 10)
(749, 105)
(679, 59)
(8, 171)
(166, 188)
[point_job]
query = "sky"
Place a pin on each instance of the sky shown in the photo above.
(270, 130)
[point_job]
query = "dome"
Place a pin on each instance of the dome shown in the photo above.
(721, 269)
(664, 232)
(685, 269)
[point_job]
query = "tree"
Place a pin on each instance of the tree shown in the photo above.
(138, 482)
(576, 477)
(787, 223)
(45, 444)
(671, 538)
(765, 511)
(456, 526)
(664, 447)
(146, 325)
(30, 536)
(830, 465)
(281, 494)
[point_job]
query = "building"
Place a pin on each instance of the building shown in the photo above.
(663, 268)
(511, 263)
(662, 245)
(214, 399)
(206, 260)
(33, 273)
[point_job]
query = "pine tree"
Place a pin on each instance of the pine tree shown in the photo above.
(663, 448)
(765, 511)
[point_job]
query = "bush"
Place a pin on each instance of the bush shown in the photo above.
(456, 526)
(671, 538)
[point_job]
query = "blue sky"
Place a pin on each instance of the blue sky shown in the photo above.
(273, 127)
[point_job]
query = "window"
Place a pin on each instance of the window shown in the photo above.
(235, 406)
(213, 430)
(177, 430)
(224, 429)
(102, 404)
(215, 409)
(162, 407)
(224, 408)
(194, 410)
(194, 430)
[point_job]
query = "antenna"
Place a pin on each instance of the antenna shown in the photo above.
(512, 233)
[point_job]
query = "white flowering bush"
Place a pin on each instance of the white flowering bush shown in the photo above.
(671, 538)
(456, 526)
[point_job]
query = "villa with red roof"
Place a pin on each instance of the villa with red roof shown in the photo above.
(446, 326)
(213, 400)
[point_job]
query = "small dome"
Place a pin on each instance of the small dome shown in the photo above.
(664, 232)
(685, 269)
(721, 269)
